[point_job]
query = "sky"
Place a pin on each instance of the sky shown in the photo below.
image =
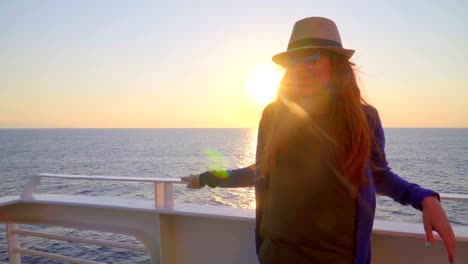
(177, 64)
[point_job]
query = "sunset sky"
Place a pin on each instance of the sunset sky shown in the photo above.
(151, 64)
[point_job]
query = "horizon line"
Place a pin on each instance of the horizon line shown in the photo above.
(51, 128)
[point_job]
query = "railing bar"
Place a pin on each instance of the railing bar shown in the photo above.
(81, 240)
(454, 196)
(55, 256)
(110, 178)
(446, 197)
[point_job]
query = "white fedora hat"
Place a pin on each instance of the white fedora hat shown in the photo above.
(313, 33)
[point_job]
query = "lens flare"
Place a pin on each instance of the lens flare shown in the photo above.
(217, 163)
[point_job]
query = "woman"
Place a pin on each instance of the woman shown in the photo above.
(320, 159)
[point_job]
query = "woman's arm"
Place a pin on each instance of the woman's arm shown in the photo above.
(404, 192)
(387, 182)
(243, 177)
(225, 178)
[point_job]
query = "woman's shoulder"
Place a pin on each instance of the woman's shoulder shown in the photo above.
(270, 113)
(271, 108)
(273, 105)
(371, 113)
(369, 109)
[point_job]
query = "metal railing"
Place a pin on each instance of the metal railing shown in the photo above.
(163, 198)
(163, 187)
(454, 197)
(163, 195)
(14, 245)
(446, 197)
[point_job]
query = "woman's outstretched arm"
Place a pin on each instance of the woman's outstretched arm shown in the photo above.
(243, 177)
(390, 184)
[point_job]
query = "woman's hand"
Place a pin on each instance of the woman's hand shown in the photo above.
(193, 181)
(434, 218)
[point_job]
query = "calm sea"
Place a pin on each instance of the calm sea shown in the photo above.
(434, 158)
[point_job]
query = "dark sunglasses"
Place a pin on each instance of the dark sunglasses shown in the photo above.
(306, 61)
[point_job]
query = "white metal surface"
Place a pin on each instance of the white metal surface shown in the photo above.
(454, 197)
(109, 178)
(413, 230)
(211, 237)
(13, 243)
(30, 187)
(143, 226)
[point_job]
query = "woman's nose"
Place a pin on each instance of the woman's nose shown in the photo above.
(302, 73)
(297, 67)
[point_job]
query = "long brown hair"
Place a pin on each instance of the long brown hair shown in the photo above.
(350, 132)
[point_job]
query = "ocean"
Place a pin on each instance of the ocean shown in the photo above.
(435, 158)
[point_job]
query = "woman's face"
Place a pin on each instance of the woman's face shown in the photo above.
(309, 74)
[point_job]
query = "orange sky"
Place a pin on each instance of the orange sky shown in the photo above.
(70, 64)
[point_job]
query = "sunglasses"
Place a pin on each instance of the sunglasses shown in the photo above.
(307, 61)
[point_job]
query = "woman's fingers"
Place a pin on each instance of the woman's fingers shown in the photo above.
(434, 219)
(428, 229)
(193, 181)
(449, 246)
(451, 242)
(445, 231)
(186, 178)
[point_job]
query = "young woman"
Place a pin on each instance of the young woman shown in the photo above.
(320, 160)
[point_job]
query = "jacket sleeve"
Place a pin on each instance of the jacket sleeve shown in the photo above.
(243, 177)
(387, 182)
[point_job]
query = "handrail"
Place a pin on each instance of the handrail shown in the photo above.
(445, 197)
(454, 197)
(80, 240)
(163, 191)
(36, 179)
(55, 256)
(109, 178)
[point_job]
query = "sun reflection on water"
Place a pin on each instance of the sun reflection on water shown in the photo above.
(245, 197)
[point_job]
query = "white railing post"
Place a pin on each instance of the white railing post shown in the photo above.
(14, 255)
(30, 187)
(164, 195)
(168, 196)
(159, 194)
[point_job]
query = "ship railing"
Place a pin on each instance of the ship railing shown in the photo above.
(163, 202)
(163, 187)
(163, 199)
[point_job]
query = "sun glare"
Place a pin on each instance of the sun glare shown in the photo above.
(263, 81)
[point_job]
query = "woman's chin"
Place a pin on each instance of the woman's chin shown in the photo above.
(308, 91)
(311, 92)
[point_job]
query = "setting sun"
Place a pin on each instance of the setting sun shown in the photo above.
(262, 82)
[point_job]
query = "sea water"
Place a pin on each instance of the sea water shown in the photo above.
(435, 158)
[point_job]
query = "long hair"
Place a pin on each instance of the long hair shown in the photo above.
(349, 134)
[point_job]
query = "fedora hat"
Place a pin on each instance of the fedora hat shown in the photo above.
(313, 33)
